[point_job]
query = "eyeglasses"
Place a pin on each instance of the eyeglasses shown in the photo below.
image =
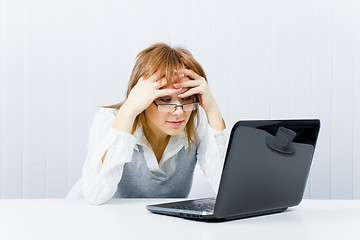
(167, 107)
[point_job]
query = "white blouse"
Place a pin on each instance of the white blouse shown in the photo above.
(100, 180)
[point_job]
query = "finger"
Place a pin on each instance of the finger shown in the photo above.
(190, 92)
(154, 77)
(189, 72)
(184, 78)
(188, 84)
(182, 90)
(161, 82)
(167, 92)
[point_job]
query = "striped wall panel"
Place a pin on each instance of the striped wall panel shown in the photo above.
(60, 60)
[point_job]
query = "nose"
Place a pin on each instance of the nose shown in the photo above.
(178, 111)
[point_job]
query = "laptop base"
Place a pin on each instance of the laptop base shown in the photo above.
(249, 215)
(213, 218)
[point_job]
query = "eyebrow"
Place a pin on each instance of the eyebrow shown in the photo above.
(171, 97)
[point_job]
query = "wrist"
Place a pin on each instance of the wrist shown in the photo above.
(128, 110)
(124, 120)
(213, 110)
(215, 119)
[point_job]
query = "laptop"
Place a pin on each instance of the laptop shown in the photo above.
(266, 167)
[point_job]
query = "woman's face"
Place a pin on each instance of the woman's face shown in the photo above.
(168, 123)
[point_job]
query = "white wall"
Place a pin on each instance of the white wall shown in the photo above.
(264, 60)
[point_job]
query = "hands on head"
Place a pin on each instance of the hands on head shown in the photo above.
(184, 83)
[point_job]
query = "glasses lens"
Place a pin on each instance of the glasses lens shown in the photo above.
(165, 108)
(190, 107)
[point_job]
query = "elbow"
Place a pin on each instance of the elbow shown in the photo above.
(94, 198)
(93, 201)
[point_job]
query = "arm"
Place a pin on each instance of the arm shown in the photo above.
(123, 123)
(114, 148)
(215, 119)
(211, 151)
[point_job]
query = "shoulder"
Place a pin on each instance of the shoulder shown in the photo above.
(104, 117)
(106, 113)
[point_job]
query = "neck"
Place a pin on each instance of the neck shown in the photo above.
(158, 138)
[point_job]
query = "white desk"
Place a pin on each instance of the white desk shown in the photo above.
(128, 219)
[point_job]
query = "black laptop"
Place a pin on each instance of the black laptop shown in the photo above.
(265, 171)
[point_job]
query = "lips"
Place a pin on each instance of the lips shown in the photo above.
(175, 123)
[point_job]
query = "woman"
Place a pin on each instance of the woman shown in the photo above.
(148, 145)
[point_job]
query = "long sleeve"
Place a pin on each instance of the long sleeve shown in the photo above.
(100, 180)
(211, 151)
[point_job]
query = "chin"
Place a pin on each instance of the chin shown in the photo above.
(174, 132)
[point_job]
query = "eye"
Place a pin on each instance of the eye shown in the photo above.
(165, 99)
(186, 99)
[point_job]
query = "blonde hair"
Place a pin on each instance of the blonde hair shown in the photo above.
(163, 59)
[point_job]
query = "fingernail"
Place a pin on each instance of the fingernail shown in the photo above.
(180, 95)
(176, 85)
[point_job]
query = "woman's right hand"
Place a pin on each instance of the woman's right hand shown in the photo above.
(145, 92)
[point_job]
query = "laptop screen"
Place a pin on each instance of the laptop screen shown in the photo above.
(266, 166)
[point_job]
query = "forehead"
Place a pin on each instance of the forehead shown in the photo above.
(172, 76)
(170, 83)
(175, 95)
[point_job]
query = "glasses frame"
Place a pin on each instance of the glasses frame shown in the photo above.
(196, 103)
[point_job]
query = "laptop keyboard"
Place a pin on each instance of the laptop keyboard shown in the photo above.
(198, 206)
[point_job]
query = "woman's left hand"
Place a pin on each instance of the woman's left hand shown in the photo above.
(192, 83)
(196, 85)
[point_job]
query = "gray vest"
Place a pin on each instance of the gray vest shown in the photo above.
(138, 182)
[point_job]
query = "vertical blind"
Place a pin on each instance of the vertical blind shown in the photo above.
(279, 59)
